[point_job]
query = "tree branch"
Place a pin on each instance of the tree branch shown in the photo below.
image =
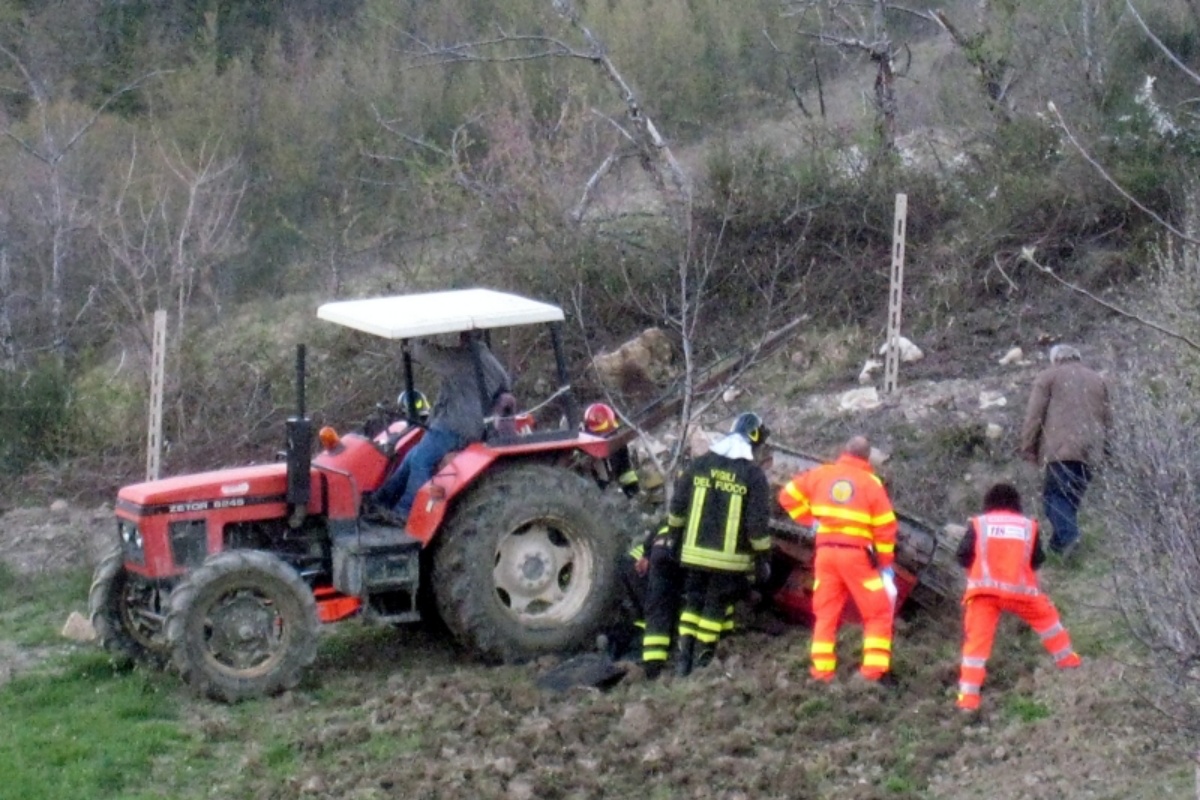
(1113, 181)
(1027, 254)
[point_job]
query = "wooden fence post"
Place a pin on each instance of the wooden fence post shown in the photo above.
(157, 362)
(891, 369)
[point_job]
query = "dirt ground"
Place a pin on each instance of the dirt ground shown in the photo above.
(749, 726)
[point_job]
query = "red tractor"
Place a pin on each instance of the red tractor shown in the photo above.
(513, 542)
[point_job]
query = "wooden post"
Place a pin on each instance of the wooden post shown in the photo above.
(891, 369)
(157, 361)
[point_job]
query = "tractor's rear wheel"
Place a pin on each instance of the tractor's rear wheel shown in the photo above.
(127, 614)
(243, 625)
(527, 564)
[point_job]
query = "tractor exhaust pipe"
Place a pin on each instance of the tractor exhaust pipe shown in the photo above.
(299, 451)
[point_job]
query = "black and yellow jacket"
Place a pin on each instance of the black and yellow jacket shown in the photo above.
(719, 514)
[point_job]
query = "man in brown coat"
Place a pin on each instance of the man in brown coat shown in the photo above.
(1066, 430)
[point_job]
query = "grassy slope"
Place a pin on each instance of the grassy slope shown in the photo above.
(391, 713)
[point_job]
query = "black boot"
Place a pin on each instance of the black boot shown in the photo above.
(683, 656)
(704, 656)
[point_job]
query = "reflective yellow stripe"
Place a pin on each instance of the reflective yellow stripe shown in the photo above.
(795, 493)
(655, 640)
(883, 519)
(877, 643)
(654, 655)
(816, 583)
(796, 513)
(873, 584)
(822, 647)
(846, 530)
(840, 512)
(699, 494)
(637, 552)
(675, 521)
(689, 617)
(884, 547)
(699, 557)
(761, 544)
(710, 625)
(707, 638)
(733, 524)
(877, 660)
(825, 664)
(641, 623)
(628, 478)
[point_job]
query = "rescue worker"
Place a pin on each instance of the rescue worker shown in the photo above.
(718, 521)
(650, 575)
(1001, 552)
(599, 419)
(855, 537)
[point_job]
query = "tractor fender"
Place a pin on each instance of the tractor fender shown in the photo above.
(462, 468)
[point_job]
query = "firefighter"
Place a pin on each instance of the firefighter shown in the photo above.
(718, 522)
(650, 575)
(600, 420)
(855, 537)
(1001, 552)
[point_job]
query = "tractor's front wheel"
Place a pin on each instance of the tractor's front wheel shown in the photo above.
(527, 563)
(127, 614)
(243, 625)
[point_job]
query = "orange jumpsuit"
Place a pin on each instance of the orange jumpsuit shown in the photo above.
(1000, 577)
(855, 539)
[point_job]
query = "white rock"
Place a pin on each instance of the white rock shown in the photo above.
(859, 399)
(731, 394)
(908, 351)
(652, 755)
(78, 628)
(60, 507)
(865, 375)
(878, 458)
(1012, 356)
(314, 785)
(993, 431)
(992, 400)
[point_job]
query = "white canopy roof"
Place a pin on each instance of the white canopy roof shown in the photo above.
(412, 315)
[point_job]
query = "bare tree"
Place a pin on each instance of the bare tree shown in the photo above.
(859, 27)
(702, 276)
(57, 130)
(168, 225)
(649, 146)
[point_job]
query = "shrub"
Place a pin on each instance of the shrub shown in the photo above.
(35, 406)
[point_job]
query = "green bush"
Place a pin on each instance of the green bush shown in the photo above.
(35, 408)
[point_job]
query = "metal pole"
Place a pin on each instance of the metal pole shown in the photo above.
(891, 369)
(158, 351)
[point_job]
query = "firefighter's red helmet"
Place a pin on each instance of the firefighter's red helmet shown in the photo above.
(599, 418)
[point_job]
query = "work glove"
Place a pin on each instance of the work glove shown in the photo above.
(889, 583)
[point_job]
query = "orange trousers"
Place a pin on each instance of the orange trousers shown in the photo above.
(846, 573)
(980, 617)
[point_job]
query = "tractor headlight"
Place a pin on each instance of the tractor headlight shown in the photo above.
(131, 540)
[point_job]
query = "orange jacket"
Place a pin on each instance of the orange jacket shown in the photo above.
(847, 502)
(1004, 542)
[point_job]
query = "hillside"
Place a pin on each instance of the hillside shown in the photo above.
(338, 205)
(398, 714)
